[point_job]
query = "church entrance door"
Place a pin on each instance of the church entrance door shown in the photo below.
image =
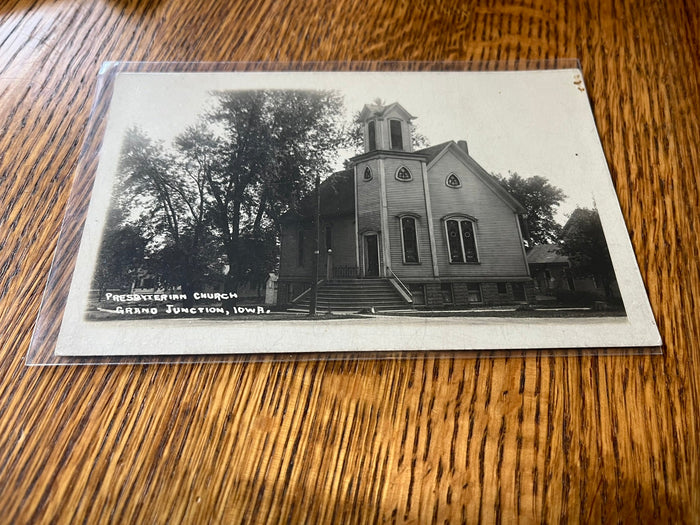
(371, 256)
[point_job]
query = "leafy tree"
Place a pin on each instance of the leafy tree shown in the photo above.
(540, 199)
(208, 206)
(164, 193)
(120, 256)
(583, 241)
(263, 252)
(273, 144)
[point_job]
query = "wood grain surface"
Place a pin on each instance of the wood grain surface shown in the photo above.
(423, 439)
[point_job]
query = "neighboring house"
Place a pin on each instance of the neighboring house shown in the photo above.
(550, 269)
(552, 273)
(432, 222)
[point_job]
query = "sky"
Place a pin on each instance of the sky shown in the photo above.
(529, 122)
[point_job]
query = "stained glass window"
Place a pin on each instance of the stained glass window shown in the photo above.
(403, 174)
(461, 241)
(455, 245)
(469, 241)
(453, 181)
(410, 241)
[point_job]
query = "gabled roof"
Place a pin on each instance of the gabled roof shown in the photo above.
(378, 110)
(435, 152)
(546, 254)
(338, 190)
(337, 197)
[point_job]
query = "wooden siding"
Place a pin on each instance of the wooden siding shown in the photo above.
(343, 232)
(343, 241)
(368, 198)
(498, 240)
(407, 197)
(289, 250)
(368, 206)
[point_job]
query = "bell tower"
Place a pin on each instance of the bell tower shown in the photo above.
(390, 181)
(386, 127)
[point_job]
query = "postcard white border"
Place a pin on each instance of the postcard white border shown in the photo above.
(79, 337)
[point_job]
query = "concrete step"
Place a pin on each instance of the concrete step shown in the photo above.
(356, 294)
(356, 291)
(350, 309)
(357, 305)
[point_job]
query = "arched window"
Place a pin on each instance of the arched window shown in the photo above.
(371, 135)
(403, 174)
(367, 175)
(452, 181)
(461, 240)
(409, 240)
(396, 135)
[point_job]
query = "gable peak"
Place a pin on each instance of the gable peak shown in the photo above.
(379, 109)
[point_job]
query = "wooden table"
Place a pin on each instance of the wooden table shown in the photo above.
(426, 440)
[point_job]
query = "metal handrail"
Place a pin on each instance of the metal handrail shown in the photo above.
(399, 282)
(308, 290)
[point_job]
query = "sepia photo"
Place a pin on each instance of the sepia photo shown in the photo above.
(268, 212)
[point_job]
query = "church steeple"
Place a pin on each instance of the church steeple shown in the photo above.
(386, 127)
(386, 171)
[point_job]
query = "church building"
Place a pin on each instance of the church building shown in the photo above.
(405, 229)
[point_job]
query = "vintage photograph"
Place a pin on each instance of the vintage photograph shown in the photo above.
(308, 211)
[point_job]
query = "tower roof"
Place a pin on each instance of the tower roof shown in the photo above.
(376, 109)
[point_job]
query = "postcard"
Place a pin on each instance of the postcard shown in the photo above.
(278, 212)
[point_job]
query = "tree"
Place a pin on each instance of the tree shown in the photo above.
(273, 144)
(583, 241)
(120, 256)
(164, 193)
(210, 203)
(541, 200)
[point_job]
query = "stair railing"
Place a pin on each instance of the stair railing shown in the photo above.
(307, 291)
(399, 285)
